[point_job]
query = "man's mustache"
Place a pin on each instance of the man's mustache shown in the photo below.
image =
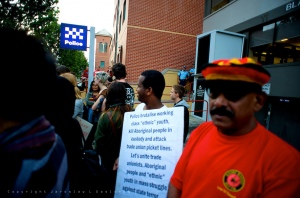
(222, 112)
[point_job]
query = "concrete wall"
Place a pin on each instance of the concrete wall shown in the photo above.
(237, 12)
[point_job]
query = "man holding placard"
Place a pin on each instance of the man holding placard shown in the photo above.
(152, 142)
(150, 88)
(235, 156)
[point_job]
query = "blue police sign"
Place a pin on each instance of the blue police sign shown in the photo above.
(73, 37)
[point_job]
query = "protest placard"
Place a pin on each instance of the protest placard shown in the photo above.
(152, 143)
(86, 127)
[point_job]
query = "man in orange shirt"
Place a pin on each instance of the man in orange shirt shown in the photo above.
(235, 156)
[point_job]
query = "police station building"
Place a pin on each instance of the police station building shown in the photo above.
(272, 30)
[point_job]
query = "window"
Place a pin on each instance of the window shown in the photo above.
(102, 64)
(100, 47)
(214, 5)
(124, 10)
(278, 42)
(120, 22)
(103, 47)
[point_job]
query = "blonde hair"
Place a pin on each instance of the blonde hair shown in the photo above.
(77, 93)
(73, 81)
(102, 76)
(70, 77)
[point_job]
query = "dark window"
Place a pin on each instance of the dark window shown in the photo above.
(214, 5)
(102, 64)
(278, 42)
(105, 48)
(120, 22)
(203, 52)
(100, 47)
(124, 10)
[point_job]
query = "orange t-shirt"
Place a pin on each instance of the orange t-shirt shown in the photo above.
(257, 164)
(96, 71)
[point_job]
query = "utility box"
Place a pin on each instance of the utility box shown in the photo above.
(211, 46)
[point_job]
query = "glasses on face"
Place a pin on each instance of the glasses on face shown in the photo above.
(230, 94)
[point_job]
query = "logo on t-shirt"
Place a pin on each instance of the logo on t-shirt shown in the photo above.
(234, 180)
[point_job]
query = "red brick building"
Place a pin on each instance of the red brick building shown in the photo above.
(103, 38)
(157, 34)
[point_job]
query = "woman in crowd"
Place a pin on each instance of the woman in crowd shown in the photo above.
(78, 109)
(94, 112)
(107, 139)
(93, 93)
(90, 99)
(101, 81)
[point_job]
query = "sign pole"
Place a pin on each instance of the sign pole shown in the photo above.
(91, 55)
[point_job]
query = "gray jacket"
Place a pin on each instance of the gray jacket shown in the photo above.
(78, 110)
(182, 103)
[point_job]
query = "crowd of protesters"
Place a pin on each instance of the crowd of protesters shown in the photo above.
(43, 147)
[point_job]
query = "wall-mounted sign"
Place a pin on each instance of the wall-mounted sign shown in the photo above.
(292, 5)
(73, 37)
(200, 91)
(266, 88)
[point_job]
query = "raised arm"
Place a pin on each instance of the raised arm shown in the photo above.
(94, 107)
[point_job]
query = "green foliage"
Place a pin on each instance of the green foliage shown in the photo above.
(36, 17)
(74, 60)
(39, 18)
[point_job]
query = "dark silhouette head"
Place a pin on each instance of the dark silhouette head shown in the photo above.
(119, 71)
(62, 70)
(34, 67)
(155, 80)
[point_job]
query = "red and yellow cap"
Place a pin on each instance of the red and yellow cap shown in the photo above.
(245, 69)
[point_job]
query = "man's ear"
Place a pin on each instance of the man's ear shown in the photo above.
(149, 91)
(260, 100)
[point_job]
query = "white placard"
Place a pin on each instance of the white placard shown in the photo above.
(266, 88)
(86, 127)
(152, 143)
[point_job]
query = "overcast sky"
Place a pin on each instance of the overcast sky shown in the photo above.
(96, 13)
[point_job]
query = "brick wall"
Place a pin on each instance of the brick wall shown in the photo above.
(183, 16)
(161, 34)
(100, 56)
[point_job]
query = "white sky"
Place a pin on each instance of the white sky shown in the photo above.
(96, 13)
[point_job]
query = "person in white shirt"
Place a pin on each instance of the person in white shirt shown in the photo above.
(150, 88)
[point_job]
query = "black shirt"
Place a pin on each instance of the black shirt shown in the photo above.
(129, 94)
